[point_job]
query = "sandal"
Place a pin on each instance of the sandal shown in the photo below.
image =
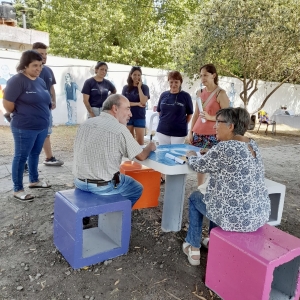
(23, 197)
(205, 243)
(40, 185)
(162, 181)
(187, 250)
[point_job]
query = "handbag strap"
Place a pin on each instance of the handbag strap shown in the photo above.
(209, 98)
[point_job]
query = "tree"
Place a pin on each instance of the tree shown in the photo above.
(250, 40)
(134, 32)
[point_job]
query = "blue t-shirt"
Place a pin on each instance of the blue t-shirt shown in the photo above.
(97, 90)
(32, 102)
(48, 76)
(133, 96)
(173, 109)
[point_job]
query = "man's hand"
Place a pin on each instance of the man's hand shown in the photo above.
(53, 105)
(151, 146)
(146, 151)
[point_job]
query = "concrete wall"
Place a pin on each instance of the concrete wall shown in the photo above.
(16, 38)
(156, 79)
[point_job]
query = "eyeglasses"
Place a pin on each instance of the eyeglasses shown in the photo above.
(220, 121)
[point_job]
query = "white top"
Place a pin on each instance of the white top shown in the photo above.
(99, 146)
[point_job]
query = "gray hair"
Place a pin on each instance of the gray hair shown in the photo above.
(114, 99)
(239, 117)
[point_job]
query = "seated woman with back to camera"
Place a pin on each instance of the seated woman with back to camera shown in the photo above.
(236, 198)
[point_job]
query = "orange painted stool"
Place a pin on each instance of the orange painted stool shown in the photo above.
(150, 180)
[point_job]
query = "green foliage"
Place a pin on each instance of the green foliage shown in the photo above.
(134, 32)
(250, 40)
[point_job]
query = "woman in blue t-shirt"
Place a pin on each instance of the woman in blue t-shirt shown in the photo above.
(138, 94)
(28, 101)
(96, 89)
(175, 108)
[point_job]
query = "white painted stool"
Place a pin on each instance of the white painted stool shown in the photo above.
(276, 193)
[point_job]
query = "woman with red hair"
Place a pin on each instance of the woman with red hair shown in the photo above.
(175, 108)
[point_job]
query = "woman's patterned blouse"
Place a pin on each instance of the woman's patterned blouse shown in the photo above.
(236, 196)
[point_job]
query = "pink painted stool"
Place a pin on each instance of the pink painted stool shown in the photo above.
(260, 265)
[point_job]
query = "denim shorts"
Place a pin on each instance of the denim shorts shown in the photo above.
(139, 123)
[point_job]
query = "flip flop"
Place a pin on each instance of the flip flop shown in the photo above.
(40, 185)
(23, 197)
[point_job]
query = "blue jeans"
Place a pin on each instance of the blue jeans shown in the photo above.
(128, 188)
(28, 144)
(197, 209)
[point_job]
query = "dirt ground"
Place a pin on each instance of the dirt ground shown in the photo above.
(154, 268)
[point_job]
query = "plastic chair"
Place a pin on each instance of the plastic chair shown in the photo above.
(264, 119)
(147, 137)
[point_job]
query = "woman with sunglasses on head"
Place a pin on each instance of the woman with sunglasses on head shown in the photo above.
(175, 108)
(212, 98)
(96, 89)
(138, 94)
(236, 197)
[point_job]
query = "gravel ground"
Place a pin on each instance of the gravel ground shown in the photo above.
(154, 268)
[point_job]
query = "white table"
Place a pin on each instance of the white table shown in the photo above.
(292, 121)
(175, 182)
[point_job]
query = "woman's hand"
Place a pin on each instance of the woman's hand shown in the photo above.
(190, 137)
(207, 116)
(204, 151)
(140, 104)
(140, 84)
(191, 153)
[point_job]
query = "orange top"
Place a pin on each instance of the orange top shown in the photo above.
(211, 108)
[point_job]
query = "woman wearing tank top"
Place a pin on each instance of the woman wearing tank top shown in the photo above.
(202, 133)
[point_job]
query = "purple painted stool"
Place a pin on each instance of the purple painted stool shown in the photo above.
(90, 246)
(261, 265)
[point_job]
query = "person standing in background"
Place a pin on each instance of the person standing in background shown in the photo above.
(96, 90)
(70, 91)
(138, 94)
(213, 98)
(175, 108)
(28, 102)
(48, 76)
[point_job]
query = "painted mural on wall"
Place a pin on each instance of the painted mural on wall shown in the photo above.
(71, 74)
(231, 94)
(71, 88)
(7, 70)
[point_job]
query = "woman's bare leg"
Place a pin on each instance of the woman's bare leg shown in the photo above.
(131, 129)
(139, 132)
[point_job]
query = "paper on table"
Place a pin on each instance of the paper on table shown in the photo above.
(177, 159)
